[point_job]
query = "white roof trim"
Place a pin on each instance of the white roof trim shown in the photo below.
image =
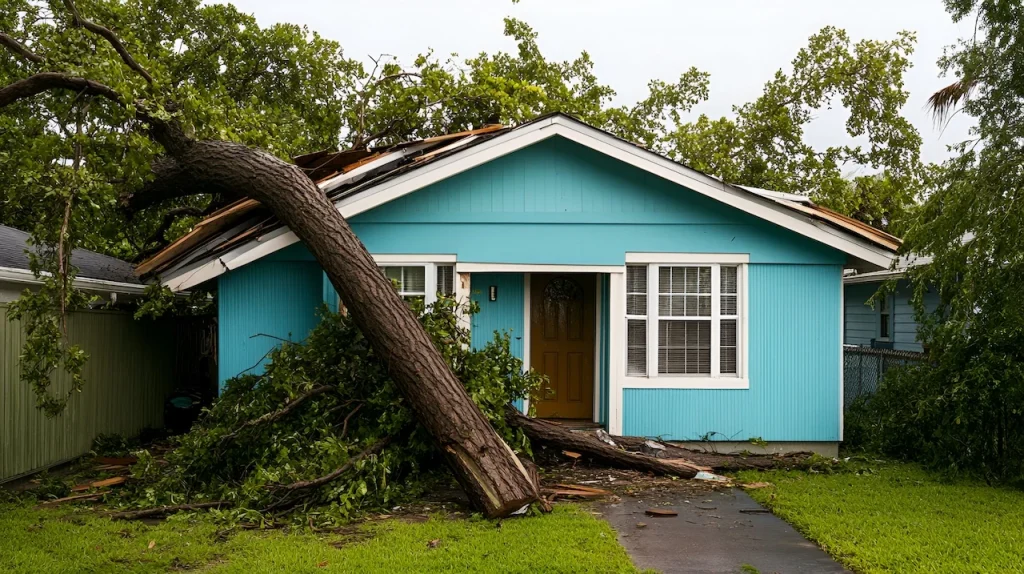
(372, 195)
(26, 277)
(872, 277)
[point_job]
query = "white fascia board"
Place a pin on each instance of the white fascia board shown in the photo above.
(873, 277)
(357, 201)
(26, 277)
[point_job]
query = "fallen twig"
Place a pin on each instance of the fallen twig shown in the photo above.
(162, 510)
(76, 497)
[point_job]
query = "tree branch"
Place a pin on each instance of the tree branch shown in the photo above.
(20, 49)
(273, 416)
(46, 81)
(162, 510)
(171, 181)
(110, 37)
(372, 449)
(157, 236)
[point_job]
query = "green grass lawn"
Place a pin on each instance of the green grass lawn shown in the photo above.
(69, 540)
(900, 518)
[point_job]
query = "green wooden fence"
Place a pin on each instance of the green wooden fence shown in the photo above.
(129, 373)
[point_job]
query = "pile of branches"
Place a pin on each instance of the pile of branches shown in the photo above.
(323, 432)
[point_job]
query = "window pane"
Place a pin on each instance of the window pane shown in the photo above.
(727, 353)
(395, 275)
(704, 280)
(636, 347)
(665, 279)
(414, 279)
(446, 280)
(728, 280)
(684, 347)
(728, 304)
(636, 304)
(636, 279)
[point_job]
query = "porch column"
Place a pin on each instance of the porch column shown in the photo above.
(616, 348)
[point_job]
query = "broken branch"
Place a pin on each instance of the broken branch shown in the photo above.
(273, 416)
(162, 510)
(372, 449)
(546, 432)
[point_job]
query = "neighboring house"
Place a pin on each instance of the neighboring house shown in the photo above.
(890, 322)
(658, 300)
(129, 372)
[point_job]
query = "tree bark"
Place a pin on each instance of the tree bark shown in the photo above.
(484, 465)
(546, 432)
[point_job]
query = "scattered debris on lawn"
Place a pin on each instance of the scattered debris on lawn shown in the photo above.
(756, 485)
(78, 497)
(705, 475)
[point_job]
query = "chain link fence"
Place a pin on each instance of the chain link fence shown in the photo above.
(864, 368)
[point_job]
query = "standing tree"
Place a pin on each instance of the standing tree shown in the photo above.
(967, 404)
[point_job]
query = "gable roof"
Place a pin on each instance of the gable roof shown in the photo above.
(359, 180)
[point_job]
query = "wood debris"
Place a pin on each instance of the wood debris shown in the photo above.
(660, 512)
(75, 497)
(113, 481)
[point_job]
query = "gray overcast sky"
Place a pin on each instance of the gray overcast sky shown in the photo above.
(740, 42)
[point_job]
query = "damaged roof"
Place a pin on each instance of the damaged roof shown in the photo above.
(350, 176)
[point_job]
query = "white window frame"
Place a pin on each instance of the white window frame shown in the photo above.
(430, 263)
(716, 379)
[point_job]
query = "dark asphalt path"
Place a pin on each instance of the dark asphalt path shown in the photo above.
(712, 535)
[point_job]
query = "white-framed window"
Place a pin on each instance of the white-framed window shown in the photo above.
(421, 281)
(685, 320)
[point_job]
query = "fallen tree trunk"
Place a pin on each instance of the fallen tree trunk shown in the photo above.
(546, 432)
(483, 464)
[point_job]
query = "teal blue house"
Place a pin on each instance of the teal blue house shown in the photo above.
(658, 300)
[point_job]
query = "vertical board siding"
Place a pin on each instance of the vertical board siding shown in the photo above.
(260, 304)
(503, 315)
(794, 369)
(128, 375)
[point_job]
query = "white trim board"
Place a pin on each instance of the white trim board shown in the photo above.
(370, 195)
(26, 277)
(462, 267)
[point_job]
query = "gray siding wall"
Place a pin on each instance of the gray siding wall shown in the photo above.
(863, 322)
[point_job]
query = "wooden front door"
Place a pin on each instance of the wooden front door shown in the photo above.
(562, 334)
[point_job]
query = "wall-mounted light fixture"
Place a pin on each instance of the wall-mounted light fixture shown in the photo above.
(492, 292)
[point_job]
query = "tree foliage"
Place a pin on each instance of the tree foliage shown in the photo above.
(229, 457)
(965, 409)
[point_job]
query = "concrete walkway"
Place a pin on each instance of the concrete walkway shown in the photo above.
(712, 534)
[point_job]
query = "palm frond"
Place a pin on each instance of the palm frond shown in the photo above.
(943, 102)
